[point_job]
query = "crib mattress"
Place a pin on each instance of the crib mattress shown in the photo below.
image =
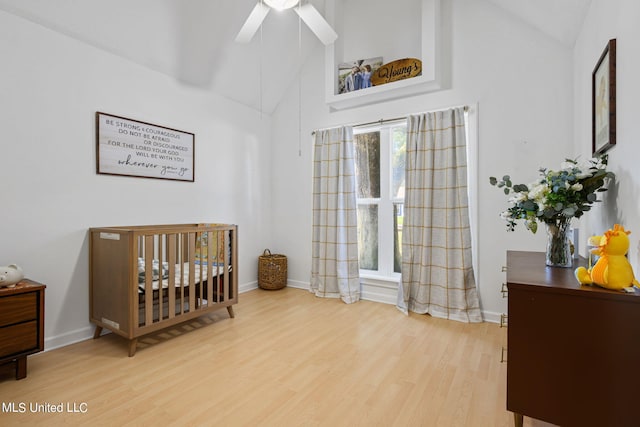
(182, 276)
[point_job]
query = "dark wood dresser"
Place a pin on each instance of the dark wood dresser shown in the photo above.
(572, 349)
(21, 324)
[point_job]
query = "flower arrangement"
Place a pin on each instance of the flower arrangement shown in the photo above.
(556, 195)
(554, 199)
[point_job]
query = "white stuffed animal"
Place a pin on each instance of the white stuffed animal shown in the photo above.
(10, 275)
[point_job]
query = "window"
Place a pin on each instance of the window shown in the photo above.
(380, 160)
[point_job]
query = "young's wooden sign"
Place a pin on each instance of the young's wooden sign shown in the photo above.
(397, 70)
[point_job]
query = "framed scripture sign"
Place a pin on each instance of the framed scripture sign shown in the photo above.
(133, 148)
(603, 100)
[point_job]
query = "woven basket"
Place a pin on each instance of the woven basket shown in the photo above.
(272, 270)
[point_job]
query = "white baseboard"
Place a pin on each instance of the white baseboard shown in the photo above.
(491, 316)
(68, 338)
(369, 292)
(298, 284)
(386, 294)
(246, 287)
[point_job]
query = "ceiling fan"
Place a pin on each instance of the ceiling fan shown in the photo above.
(307, 13)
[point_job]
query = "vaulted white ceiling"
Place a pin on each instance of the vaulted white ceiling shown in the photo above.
(193, 40)
(560, 19)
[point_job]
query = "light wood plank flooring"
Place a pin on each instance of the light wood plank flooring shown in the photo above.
(287, 359)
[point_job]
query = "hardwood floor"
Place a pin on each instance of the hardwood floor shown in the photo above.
(287, 359)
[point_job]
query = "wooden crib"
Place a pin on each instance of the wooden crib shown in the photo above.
(147, 278)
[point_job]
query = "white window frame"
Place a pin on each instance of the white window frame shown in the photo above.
(384, 203)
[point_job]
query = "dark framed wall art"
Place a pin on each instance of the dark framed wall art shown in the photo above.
(139, 149)
(603, 101)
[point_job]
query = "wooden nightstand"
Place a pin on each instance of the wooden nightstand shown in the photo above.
(21, 324)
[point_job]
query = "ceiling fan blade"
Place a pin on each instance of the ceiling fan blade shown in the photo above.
(252, 23)
(316, 23)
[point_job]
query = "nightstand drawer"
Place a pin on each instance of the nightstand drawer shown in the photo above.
(19, 338)
(18, 308)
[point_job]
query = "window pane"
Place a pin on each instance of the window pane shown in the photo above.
(398, 220)
(367, 159)
(368, 236)
(398, 156)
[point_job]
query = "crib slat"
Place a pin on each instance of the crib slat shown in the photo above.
(233, 261)
(183, 256)
(198, 280)
(171, 289)
(210, 265)
(225, 255)
(224, 243)
(159, 238)
(148, 280)
(134, 285)
(192, 271)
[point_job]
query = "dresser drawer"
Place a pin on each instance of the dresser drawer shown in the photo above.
(18, 308)
(18, 338)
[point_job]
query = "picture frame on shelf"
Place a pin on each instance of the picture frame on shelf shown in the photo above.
(603, 101)
(356, 75)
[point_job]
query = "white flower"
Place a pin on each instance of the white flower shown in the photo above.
(597, 162)
(584, 172)
(586, 167)
(567, 166)
(517, 198)
(538, 192)
(505, 215)
(577, 187)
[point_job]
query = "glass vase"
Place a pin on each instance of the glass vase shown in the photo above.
(558, 244)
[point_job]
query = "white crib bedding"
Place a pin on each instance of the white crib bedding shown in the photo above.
(181, 275)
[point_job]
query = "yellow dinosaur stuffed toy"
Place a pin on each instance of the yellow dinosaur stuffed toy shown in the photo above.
(612, 270)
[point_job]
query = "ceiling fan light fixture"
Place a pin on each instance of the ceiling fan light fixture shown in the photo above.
(281, 4)
(309, 14)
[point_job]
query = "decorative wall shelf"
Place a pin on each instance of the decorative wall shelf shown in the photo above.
(433, 69)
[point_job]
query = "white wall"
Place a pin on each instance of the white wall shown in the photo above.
(608, 19)
(522, 82)
(50, 88)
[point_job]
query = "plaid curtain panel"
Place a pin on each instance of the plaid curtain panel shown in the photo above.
(334, 267)
(437, 271)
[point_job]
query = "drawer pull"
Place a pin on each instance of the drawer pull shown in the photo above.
(504, 320)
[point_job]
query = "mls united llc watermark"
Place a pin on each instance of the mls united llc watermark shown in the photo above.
(44, 407)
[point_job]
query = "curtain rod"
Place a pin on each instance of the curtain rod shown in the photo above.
(381, 121)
